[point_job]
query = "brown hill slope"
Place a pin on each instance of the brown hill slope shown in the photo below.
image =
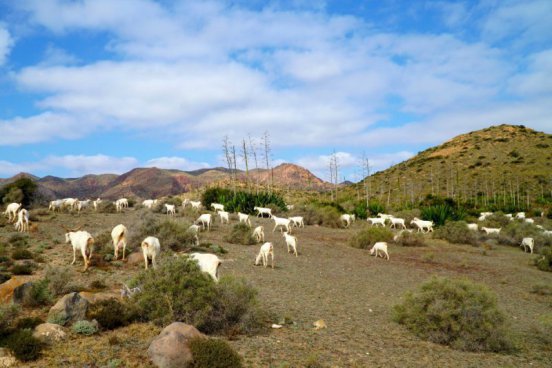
(496, 162)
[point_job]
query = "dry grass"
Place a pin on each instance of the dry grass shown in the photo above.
(330, 281)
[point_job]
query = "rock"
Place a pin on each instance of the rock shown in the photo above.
(136, 258)
(8, 287)
(21, 291)
(93, 298)
(70, 308)
(6, 359)
(170, 349)
(49, 333)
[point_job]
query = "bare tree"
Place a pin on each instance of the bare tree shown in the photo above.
(245, 160)
(227, 153)
(253, 150)
(267, 159)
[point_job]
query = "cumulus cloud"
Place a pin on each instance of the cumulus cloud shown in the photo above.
(6, 43)
(175, 162)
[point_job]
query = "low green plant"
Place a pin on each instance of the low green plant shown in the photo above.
(457, 232)
(322, 215)
(542, 289)
(367, 237)
(58, 277)
(211, 353)
(408, 239)
(110, 314)
(241, 234)
(97, 285)
(24, 346)
(171, 234)
(455, 312)
(22, 269)
(58, 319)
(84, 327)
(21, 254)
(543, 330)
(8, 315)
(543, 261)
(28, 322)
(38, 294)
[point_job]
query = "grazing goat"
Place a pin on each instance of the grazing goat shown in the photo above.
(119, 237)
(151, 249)
(509, 216)
(55, 205)
(422, 225)
(473, 227)
(399, 234)
(291, 241)
(547, 233)
(529, 220)
(194, 228)
(395, 221)
(347, 219)
(205, 219)
(208, 263)
(224, 216)
(11, 210)
(185, 202)
(490, 230)
(196, 204)
(120, 204)
(376, 221)
(148, 203)
(380, 247)
(282, 222)
(71, 203)
(527, 242)
(96, 203)
(83, 241)
(385, 217)
(244, 217)
(520, 215)
(82, 204)
(22, 223)
(217, 207)
(266, 250)
(171, 209)
(258, 234)
(297, 221)
(261, 211)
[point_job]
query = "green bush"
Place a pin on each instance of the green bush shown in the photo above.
(407, 239)
(322, 215)
(171, 234)
(442, 213)
(21, 254)
(457, 232)
(178, 291)
(513, 233)
(367, 237)
(107, 207)
(496, 220)
(58, 277)
(8, 315)
(241, 201)
(84, 327)
(240, 234)
(4, 277)
(28, 322)
(110, 314)
(18, 240)
(213, 353)
(458, 313)
(544, 260)
(22, 269)
(24, 346)
(97, 285)
(543, 330)
(542, 289)
(21, 191)
(38, 294)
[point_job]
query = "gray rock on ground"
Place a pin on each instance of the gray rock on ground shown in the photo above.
(70, 308)
(170, 348)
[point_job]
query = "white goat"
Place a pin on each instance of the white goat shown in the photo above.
(282, 222)
(194, 228)
(185, 202)
(520, 215)
(422, 225)
(244, 217)
(473, 227)
(208, 263)
(119, 237)
(121, 204)
(347, 219)
(171, 209)
(395, 221)
(261, 211)
(266, 250)
(490, 230)
(148, 203)
(70, 203)
(258, 233)
(151, 249)
(196, 204)
(484, 215)
(82, 204)
(385, 217)
(22, 223)
(529, 220)
(547, 233)
(399, 234)
(11, 211)
(290, 206)
(56, 204)
(297, 221)
(380, 247)
(527, 242)
(217, 207)
(205, 219)
(291, 241)
(83, 241)
(224, 216)
(96, 203)
(509, 216)
(376, 221)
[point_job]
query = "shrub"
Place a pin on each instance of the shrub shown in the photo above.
(457, 232)
(241, 234)
(107, 207)
(4, 277)
(178, 291)
(21, 254)
(97, 285)
(515, 231)
(28, 322)
(367, 237)
(542, 289)
(8, 314)
(86, 328)
(38, 294)
(22, 269)
(24, 345)
(543, 330)
(103, 245)
(211, 353)
(407, 239)
(58, 277)
(58, 319)
(109, 313)
(544, 259)
(18, 240)
(171, 234)
(442, 213)
(458, 313)
(496, 220)
(324, 215)
(242, 201)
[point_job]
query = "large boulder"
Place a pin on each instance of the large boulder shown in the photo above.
(170, 348)
(8, 287)
(70, 308)
(49, 333)
(7, 359)
(20, 292)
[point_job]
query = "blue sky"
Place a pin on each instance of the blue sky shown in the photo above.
(102, 86)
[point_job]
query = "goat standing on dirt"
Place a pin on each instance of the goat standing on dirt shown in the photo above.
(119, 237)
(80, 240)
(266, 250)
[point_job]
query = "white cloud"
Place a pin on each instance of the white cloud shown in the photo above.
(6, 43)
(174, 162)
